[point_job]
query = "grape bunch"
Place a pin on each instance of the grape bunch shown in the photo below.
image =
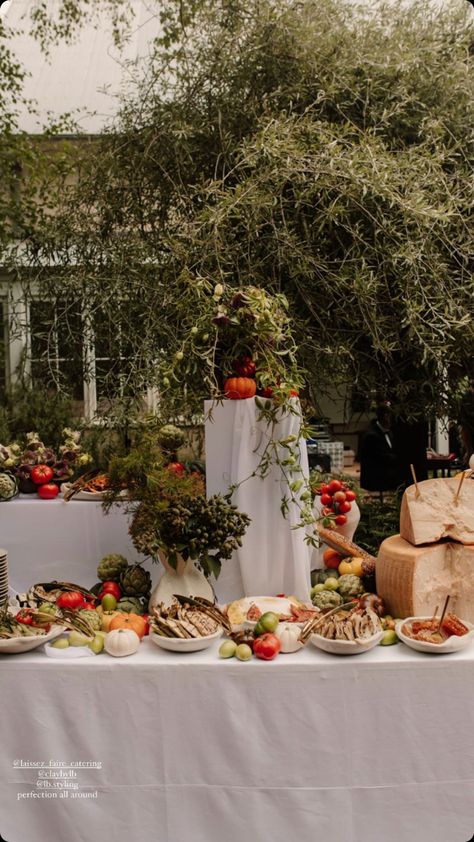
(336, 500)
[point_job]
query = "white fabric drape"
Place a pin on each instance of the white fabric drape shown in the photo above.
(374, 748)
(274, 557)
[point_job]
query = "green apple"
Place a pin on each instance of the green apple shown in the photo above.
(60, 643)
(97, 644)
(78, 639)
(108, 601)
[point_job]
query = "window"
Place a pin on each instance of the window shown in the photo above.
(61, 347)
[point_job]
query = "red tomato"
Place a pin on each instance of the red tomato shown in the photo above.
(25, 617)
(266, 647)
(146, 617)
(341, 520)
(110, 587)
(176, 468)
(344, 507)
(324, 489)
(326, 499)
(294, 393)
(70, 599)
(339, 497)
(90, 606)
(48, 491)
(350, 496)
(244, 366)
(331, 558)
(41, 474)
(328, 510)
(335, 485)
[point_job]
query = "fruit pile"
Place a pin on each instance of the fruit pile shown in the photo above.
(336, 501)
(263, 641)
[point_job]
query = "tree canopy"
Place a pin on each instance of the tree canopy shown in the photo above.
(317, 149)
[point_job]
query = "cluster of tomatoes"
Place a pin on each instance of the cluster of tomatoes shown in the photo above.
(336, 500)
(42, 476)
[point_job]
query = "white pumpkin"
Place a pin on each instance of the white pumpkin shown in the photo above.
(288, 634)
(121, 642)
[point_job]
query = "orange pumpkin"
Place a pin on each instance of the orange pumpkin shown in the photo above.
(237, 388)
(129, 621)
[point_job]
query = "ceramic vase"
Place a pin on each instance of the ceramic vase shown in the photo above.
(186, 580)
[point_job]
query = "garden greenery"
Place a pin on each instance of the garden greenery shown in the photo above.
(320, 150)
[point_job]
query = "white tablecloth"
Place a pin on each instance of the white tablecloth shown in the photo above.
(51, 539)
(374, 748)
(274, 557)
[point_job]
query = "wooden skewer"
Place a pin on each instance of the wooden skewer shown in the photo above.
(444, 611)
(435, 613)
(456, 496)
(417, 490)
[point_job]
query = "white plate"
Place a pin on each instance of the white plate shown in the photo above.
(88, 495)
(277, 604)
(346, 647)
(451, 644)
(189, 644)
(15, 645)
(70, 653)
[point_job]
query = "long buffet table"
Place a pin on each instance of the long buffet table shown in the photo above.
(190, 748)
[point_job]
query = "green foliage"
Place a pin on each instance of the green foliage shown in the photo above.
(47, 413)
(378, 520)
(310, 149)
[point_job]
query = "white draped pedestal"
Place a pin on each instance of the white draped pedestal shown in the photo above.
(274, 557)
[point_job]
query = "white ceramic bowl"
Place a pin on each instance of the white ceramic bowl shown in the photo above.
(451, 644)
(16, 645)
(188, 644)
(346, 647)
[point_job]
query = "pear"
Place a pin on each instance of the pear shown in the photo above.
(60, 643)
(78, 639)
(97, 644)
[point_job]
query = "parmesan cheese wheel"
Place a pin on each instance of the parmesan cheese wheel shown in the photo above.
(435, 514)
(412, 581)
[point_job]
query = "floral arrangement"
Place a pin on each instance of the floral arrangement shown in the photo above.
(234, 333)
(170, 512)
(20, 460)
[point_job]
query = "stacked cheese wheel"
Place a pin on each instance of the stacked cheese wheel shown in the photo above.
(434, 554)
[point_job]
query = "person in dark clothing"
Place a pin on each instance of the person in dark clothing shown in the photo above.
(379, 464)
(410, 439)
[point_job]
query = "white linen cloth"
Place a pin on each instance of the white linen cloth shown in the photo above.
(51, 539)
(374, 748)
(274, 557)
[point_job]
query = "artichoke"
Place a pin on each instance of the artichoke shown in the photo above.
(350, 586)
(8, 486)
(131, 605)
(91, 617)
(170, 438)
(135, 581)
(327, 599)
(111, 567)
